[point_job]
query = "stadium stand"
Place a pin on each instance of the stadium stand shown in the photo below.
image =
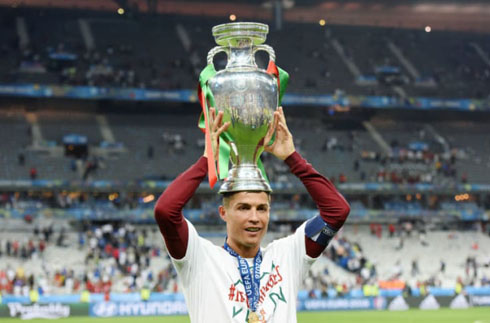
(128, 258)
(468, 135)
(87, 172)
(84, 51)
(380, 148)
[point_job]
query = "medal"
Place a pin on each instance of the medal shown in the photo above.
(250, 279)
(253, 317)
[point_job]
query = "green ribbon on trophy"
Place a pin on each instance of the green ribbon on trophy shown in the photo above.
(206, 99)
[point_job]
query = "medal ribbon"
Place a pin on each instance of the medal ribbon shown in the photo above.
(206, 97)
(251, 281)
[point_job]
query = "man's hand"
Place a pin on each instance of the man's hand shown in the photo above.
(216, 129)
(283, 145)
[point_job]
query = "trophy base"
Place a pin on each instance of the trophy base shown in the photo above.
(245, 178)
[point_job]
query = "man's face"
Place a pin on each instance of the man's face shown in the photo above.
(247, 216)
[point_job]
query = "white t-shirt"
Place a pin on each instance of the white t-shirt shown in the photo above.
(213, 288)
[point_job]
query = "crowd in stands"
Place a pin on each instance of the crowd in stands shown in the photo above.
(22, 249)
(117, 62)
(405, 165)
(65, 60)
(65, 200)
(418, 160)
(202, 208)
(123, 251)
(349, 255)
(345, 156)
(76, 67)
(175, 144)
(116, 258)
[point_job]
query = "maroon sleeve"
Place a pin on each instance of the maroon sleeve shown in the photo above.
(168, 210)
(333, 207)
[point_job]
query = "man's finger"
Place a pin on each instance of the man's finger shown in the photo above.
(272, 128)
(219, 119)
(269, 132)
(282, 117)
(211, 116)
(282, 127)
(223, 128)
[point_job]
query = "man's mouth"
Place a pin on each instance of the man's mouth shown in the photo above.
(252, 229)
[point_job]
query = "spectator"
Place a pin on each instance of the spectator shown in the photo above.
(356, 165)
(21, 159)
(391, 230)
(33, 173)
(342, 178)
(415, 268)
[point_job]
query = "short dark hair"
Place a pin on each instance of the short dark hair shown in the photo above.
(228, 195)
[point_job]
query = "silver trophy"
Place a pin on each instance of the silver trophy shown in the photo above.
(248, 97)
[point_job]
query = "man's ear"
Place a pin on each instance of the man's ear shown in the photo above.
(222, 212)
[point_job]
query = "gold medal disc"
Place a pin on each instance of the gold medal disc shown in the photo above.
(253, 317)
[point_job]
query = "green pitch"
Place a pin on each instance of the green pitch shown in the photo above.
(472, 315)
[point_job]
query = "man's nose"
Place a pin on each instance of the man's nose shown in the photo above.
(254, 216)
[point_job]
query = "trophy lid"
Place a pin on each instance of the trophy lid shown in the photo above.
(230, 34)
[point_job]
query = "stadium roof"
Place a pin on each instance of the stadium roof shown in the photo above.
(471, 15)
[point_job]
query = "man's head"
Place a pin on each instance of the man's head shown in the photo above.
(246, 215)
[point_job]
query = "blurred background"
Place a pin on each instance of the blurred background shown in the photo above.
(98, 113)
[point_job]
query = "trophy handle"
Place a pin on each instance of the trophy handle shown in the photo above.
(216, 50)
(268, 49)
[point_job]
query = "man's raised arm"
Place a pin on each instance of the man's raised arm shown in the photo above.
(168, 210)
(333, 207)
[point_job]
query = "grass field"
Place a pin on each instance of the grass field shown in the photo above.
(472, 315)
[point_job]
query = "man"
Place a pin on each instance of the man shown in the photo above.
(240, 281)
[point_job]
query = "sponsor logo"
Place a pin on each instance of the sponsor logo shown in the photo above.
(379, 303)
(104, 309)
(107, 309)
(338, 304)
(48, 311)
(398, 304)
(480, 300)
(429, 303)
(459, 302)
